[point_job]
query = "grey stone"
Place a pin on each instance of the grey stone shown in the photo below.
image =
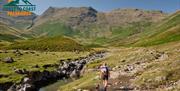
(8, 60)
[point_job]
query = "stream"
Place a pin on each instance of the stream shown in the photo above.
(55, 86)
(52, 80)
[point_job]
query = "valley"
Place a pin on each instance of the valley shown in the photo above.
(141, 47)
(143, 69)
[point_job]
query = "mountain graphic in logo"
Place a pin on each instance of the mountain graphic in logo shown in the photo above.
(16, 8)
(16, 2)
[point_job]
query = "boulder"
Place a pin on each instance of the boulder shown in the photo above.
(19, 71)
(47, 65)
(138, 63)
(32, 52)
(28, 87)
(5, 51)
(17, 52)
(61, 60)
(123, 61)
(35, 66)
(3, 75)
(26, 52)
(37, 54)
(26, 80)
(126, 70)
(8, 60)
(75, 74)
(69, 59)
(163, 57)
(80, 66)
(160, 78)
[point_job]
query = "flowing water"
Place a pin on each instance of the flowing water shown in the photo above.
(55, 86)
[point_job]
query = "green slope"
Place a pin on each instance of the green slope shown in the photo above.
(52, 29)
(167, 30)
(57, 43)
(8, 37)
(164, 32)
(122, 33)
(8, 33)
(92, 34)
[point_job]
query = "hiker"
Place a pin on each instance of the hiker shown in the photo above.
(104, 75)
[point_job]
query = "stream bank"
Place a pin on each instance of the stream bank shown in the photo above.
(64, 70)
(55, 86)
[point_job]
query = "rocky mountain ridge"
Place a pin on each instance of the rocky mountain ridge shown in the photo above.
(90, 23)
(82, 15)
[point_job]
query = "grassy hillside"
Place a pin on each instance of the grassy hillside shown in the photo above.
(167, 30)
(52, 29)
(28, 60)
(124, 32)
(8, 37)
(48, 44)
(137, 33)
(19, 22)
(164, 32)
(8, 34)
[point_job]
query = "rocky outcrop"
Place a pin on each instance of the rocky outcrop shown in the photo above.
(70, 68)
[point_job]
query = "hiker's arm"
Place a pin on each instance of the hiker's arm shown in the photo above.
(100, 74)
(108, 73)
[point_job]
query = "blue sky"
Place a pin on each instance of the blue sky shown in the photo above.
(107, 5)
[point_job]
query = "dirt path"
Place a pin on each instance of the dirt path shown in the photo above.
(117, 82)
(122, 83)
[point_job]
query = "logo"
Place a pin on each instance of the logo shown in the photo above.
(14, 8)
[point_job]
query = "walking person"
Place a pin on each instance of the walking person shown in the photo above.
(104, 74)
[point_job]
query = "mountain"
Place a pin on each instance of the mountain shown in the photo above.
(60, 21)
(86, 23)
(119, 27)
